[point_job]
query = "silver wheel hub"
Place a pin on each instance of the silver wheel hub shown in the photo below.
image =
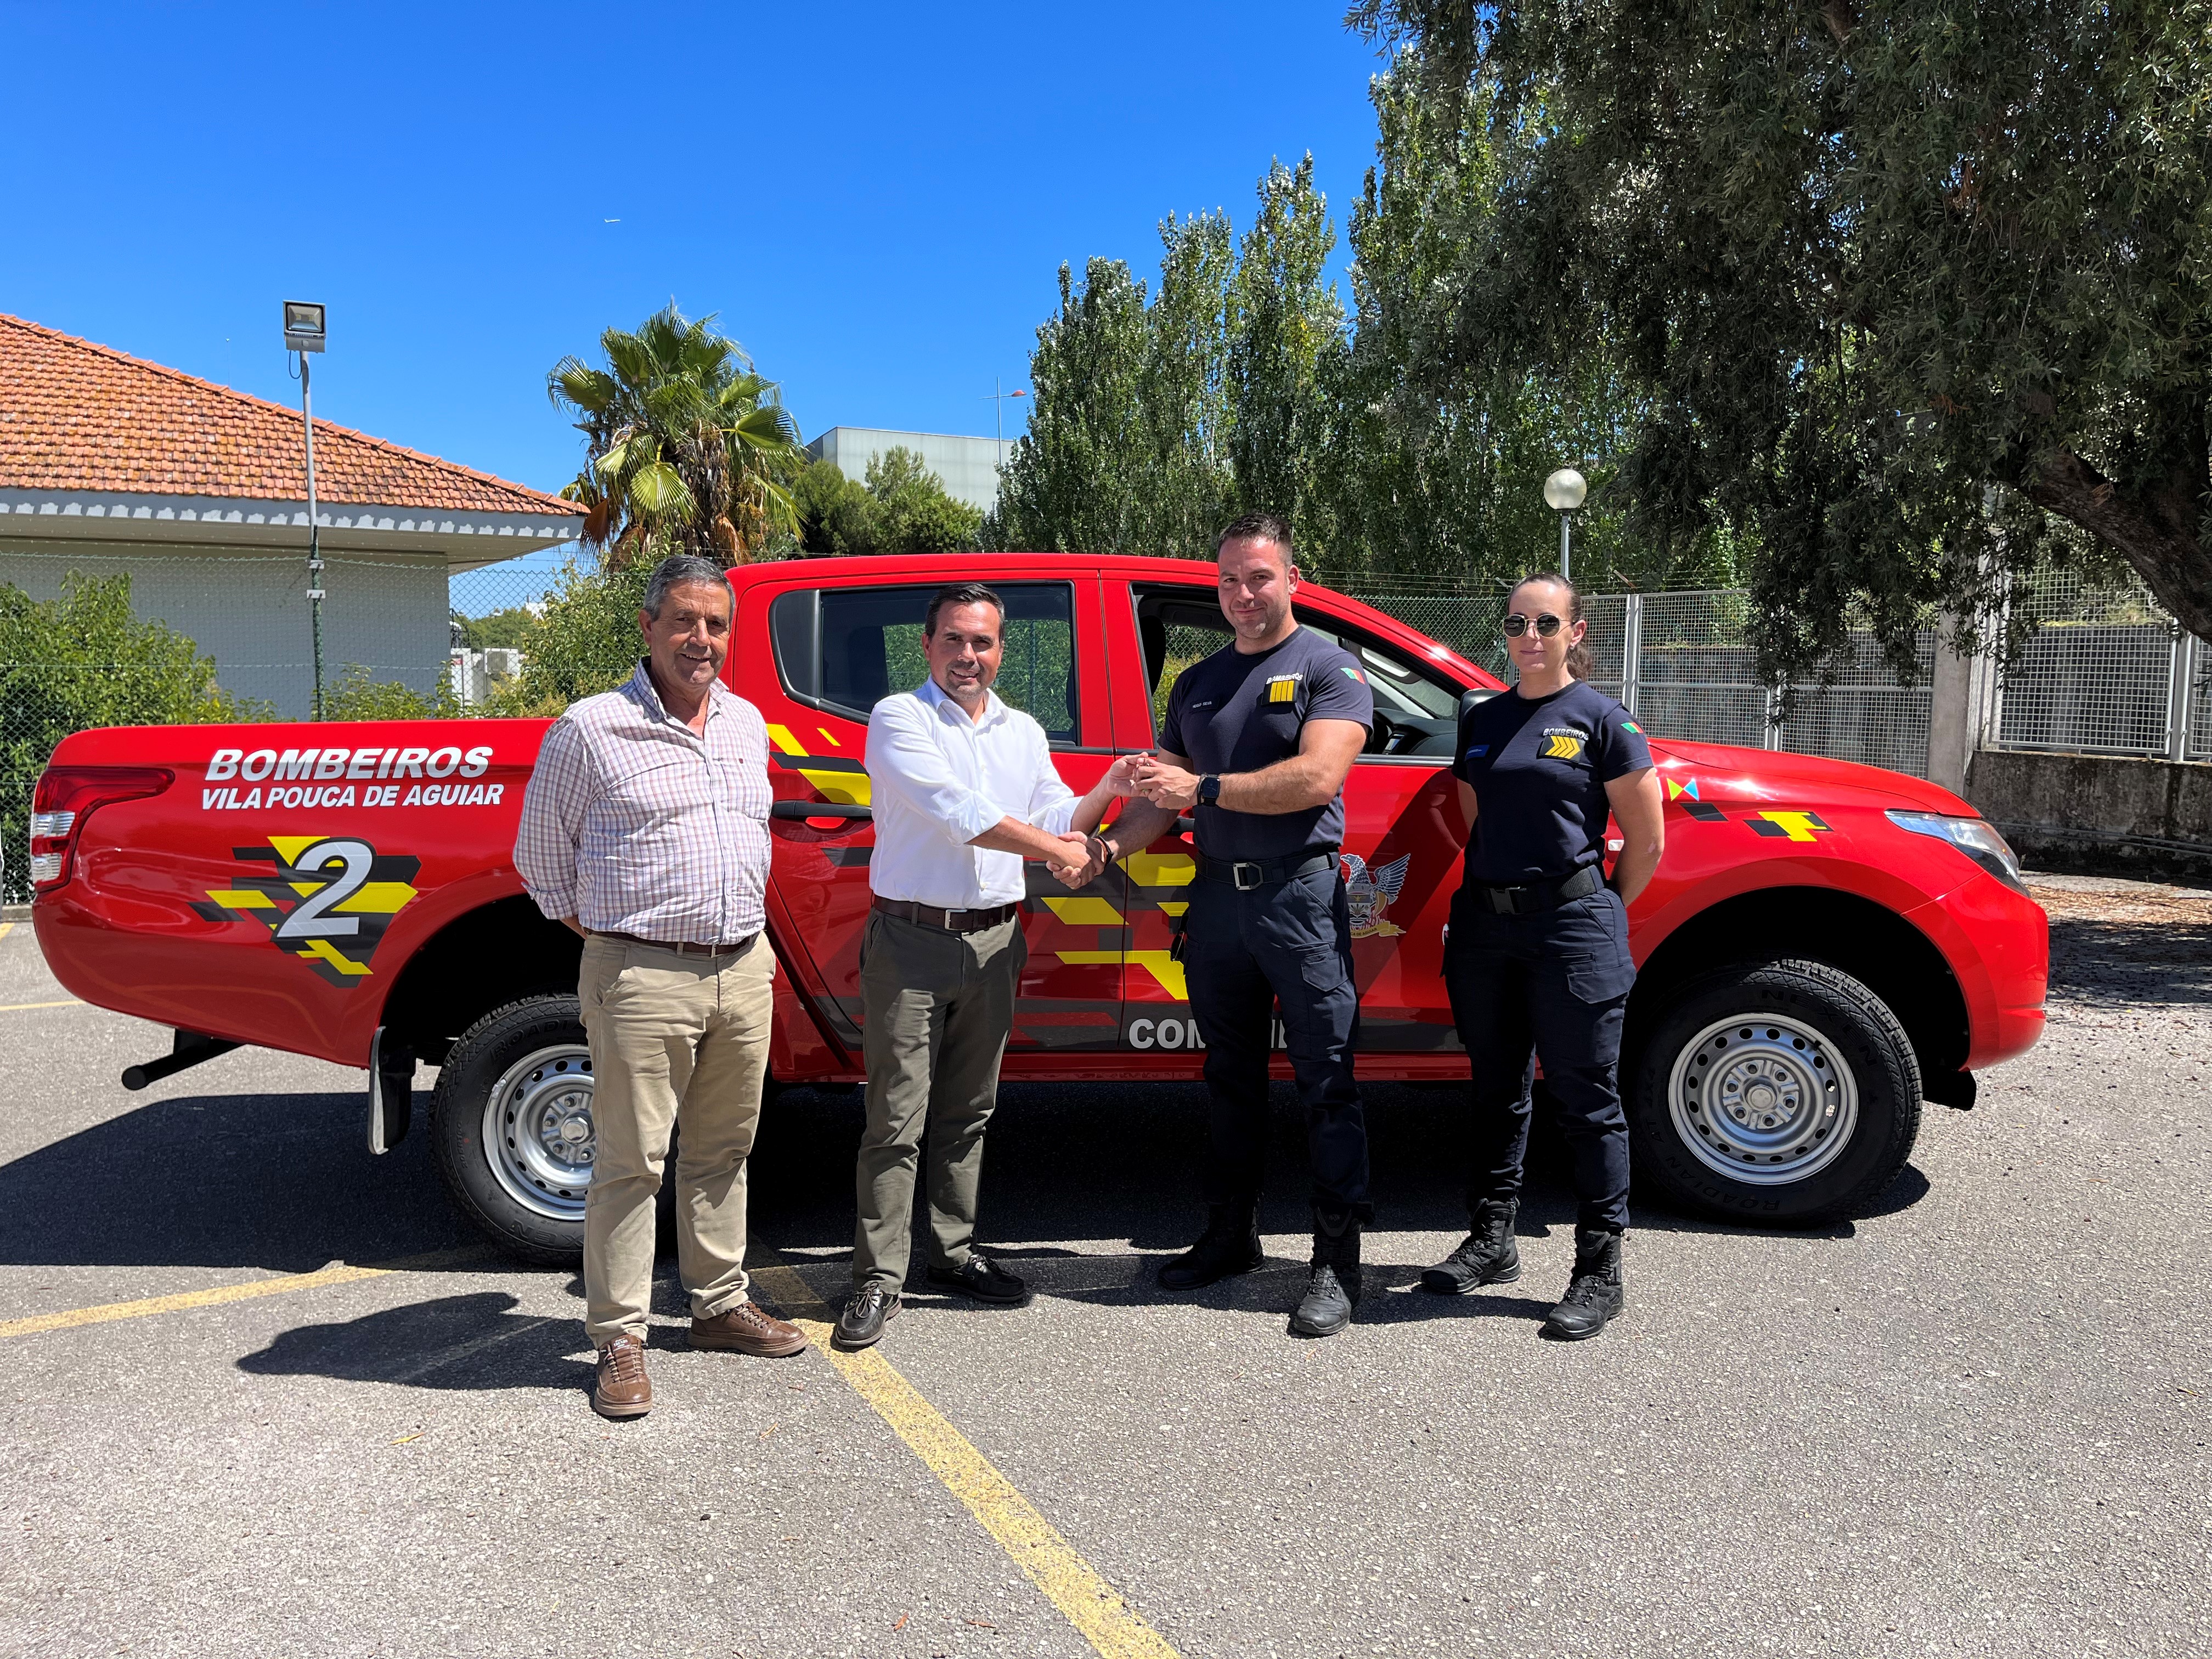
(1762, 1099)
(538, 1136)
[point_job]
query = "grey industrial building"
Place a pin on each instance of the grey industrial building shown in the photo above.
(968, 467)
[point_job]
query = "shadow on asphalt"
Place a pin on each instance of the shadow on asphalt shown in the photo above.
(2131, 963)
(284, 1182)
(474, 1342)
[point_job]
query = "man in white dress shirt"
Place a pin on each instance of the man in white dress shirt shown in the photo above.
(964, 789)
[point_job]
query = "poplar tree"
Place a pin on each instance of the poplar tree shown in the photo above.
(1286, 325)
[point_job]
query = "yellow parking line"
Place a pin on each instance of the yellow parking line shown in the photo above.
(339, 1273)
(1094, 1607)
(26, 1007)
(6, 928)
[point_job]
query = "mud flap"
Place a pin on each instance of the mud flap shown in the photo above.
(391, 1094)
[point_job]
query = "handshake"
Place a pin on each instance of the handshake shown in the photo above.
(1143, 776)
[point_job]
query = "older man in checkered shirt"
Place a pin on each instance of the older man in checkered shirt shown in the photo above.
(644, 828)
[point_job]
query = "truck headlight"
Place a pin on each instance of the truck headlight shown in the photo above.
(1975, 837)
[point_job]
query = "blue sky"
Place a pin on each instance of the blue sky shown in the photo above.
(876, 199)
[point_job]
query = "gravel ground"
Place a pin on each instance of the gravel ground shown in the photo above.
(1973, 1423)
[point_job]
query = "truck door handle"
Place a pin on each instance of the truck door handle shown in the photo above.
(820, 809)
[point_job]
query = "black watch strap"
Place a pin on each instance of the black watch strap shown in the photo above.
(1209, 789)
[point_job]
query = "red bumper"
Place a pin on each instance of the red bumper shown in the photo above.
(1998, 940)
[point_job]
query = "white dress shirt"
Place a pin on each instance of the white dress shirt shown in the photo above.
(938, 780)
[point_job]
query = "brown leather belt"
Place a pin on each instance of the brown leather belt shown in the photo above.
(683, 948)
(949, 921)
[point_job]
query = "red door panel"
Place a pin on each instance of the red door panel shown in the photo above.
(1071, 991)
(1402, 843)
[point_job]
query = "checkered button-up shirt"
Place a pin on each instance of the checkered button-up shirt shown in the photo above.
(634, 824)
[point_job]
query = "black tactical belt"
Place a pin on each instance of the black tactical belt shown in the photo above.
(1538, 895)
(949, 921)
(1245, 874)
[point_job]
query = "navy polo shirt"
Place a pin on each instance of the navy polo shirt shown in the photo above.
(1538, 767)
(1238, 712)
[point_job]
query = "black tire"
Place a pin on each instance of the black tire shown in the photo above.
(1773, 1091)
(547, 1229)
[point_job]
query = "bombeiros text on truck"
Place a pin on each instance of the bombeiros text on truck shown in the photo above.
(1826, 946)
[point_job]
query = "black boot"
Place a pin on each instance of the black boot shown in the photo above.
(1595, 1295)
(1332, 1281)
(1488, 1256)
(1228, 1246)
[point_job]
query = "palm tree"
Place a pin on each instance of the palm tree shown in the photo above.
(687, 450)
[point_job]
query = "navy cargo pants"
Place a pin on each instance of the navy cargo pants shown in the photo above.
(1286, 943)
(1551, 985)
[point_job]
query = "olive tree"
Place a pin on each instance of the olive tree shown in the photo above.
(1909, 293)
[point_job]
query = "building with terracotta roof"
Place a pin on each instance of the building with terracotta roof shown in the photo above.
(109, 462)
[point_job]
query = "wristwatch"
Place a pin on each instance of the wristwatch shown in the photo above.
(1209, 790)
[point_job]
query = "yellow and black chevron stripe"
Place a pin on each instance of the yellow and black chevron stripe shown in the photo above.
(835, 777)
(269, 898)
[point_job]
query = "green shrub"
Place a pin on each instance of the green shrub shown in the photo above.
(357, 697)
(81, 660)
(586, 641)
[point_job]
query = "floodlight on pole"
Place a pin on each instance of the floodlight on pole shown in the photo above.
(305, 332)
(1563, 493)
(998, 409)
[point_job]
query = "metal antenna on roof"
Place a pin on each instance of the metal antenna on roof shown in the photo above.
(304, 332)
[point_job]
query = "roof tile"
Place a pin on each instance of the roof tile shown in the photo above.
(79, 417)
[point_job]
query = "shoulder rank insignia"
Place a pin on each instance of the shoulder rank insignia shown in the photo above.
(1563, 745)
(1283, 688)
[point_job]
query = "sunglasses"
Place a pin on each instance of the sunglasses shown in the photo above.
(1546, 625)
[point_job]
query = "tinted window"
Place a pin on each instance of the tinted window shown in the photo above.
(1401, 686)
(844, 649)
(1417, 705)
(1176, 628)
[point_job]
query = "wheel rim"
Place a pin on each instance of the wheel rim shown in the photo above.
(1764, 1099)
(538, 1133)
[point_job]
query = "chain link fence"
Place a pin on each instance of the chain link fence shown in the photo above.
(2105, 672)
(100, 636)
(1684, 666)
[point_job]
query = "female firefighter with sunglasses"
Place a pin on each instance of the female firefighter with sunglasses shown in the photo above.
(1537, 962)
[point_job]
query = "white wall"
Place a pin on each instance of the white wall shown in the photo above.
(967, 466)
(249, 611)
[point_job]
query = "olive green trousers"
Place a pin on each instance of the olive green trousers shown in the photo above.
(937, 1009)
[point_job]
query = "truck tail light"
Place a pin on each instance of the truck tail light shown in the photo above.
(66, 796)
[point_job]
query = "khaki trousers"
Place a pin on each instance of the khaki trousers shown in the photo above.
(938, 1007)
(672, 1037)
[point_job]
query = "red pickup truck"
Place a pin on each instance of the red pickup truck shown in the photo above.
(1825, 946)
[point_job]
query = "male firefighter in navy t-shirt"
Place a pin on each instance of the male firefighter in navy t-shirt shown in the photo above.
(1257, 741)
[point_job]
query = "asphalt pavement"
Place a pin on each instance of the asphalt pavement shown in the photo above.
(1972, 1423)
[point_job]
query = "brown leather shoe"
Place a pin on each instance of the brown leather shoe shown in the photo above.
(746, 1329)
(622, 1389)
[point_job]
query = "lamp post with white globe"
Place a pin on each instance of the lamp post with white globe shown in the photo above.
(1563, 492)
